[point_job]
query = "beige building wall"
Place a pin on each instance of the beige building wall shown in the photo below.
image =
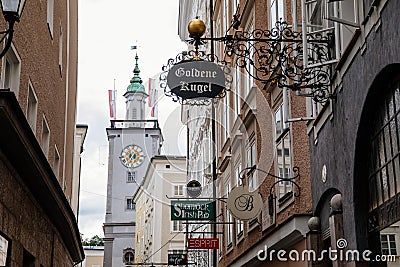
(94, 261)
(71, 33)
(94, 256)
(155, 236)
(140, 201)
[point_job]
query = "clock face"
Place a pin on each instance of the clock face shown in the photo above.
(132, 156)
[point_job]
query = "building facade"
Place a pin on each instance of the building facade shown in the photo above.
(253, 128)
(155, 237)
(257, 125)
(257, 128)
(38, 170)
(349, 164)
(94, 256)
(132, 143)
(354, 139)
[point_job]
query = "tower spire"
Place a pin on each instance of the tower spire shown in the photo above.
(136, 82)
(135, 95)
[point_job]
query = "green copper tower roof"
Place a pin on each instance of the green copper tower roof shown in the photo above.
(136, 82)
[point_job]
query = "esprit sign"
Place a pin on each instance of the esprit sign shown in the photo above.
(203, 243)
(196, 79)
(192, 210)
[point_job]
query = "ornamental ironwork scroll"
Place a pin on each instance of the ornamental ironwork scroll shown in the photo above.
(276, 56)
(194, 90)
(296, 175)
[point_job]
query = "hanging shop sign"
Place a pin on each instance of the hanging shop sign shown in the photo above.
(193, 188)
(192, 210)
(177, 259)
(243, 204)
(203, 243)
(196, 79)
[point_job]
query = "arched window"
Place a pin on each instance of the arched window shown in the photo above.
(376, 188)
(384, 170)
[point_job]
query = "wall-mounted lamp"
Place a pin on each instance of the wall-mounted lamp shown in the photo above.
(12, 11)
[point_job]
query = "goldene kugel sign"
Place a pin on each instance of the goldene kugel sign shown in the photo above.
(196, 79)
(192, 210)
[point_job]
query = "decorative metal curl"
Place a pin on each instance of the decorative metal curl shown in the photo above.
(296, 171)
(275, 56)
(194, 56)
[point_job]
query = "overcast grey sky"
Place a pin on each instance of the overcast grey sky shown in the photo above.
(107, 30)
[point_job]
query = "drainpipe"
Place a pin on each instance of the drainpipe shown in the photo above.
(214, 228)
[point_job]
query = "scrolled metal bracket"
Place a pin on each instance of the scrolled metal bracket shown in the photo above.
(296, 172)
(7, 35)
(272, 196)
(222, 199)
(281, 57)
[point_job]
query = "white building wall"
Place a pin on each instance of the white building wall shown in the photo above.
(120, 188)
(119, 225)
(80, 135)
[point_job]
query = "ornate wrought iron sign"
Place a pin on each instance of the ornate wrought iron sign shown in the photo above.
(271, 197)
(195, 78)
(192, 210)
(193, 188)
(243, 204)
(281, 56)
(276, 56)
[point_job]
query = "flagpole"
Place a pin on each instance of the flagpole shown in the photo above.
(115, 101)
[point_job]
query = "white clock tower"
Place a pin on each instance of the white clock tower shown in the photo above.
(132, 143)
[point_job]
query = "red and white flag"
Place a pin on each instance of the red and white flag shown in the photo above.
(111, 102)
(153, 97)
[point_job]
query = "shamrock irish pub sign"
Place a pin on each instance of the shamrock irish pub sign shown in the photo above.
(192, 210)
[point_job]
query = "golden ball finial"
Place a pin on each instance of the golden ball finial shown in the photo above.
(196, 28)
